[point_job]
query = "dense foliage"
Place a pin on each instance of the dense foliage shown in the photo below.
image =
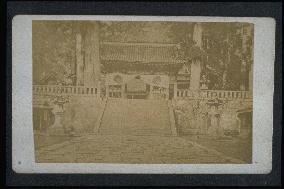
(54, 47)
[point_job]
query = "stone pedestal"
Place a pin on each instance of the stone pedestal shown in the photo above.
(57, 128)
(215, 128)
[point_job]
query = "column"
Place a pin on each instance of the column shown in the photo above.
(79, 61)
(92, 69)
(107, 90)
(197, 35)
(99, 89)
(243, 75)
(40, 124)
(251, 78)
(150, 92)
(195, 71)
(167, 93)
(195, 68)
(122, 90)
(175, 90)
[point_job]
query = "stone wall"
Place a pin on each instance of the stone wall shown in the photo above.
(81, 114)
(197, 117)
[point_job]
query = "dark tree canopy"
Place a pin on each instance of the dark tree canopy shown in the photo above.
(54, 45)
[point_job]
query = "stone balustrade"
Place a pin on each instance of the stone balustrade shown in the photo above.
(65, 90)
(180, 93)
(212, 94)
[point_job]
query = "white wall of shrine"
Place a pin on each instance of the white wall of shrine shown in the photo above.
(159, 84)
(154, 80)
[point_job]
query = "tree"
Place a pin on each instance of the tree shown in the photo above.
(53, 49)
(225, 54)
(150, 32)
(224, 44)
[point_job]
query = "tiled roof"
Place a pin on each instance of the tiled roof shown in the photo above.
(140, 52)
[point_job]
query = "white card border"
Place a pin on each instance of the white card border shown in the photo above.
(263, 87)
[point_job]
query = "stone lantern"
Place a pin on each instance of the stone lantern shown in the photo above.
(58, 111)
(214, 110)
(204, 83)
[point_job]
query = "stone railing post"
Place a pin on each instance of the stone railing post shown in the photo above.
(175, 90)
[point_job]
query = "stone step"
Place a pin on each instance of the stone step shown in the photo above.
(136, 117)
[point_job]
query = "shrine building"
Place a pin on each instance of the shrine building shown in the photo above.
(137, 70)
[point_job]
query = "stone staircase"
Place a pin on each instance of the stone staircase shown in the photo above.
(136, 117)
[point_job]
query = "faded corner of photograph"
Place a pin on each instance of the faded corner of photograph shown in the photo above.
(149, 92)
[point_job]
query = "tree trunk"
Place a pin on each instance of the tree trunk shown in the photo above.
(92, 59)
(79, 60)
(224, 79)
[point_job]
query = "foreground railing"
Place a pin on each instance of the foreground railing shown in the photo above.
(211, 94)
(65, 90)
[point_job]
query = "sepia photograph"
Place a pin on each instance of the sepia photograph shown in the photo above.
(142, 92)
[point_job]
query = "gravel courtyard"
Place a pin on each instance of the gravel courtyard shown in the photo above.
(130, 149)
